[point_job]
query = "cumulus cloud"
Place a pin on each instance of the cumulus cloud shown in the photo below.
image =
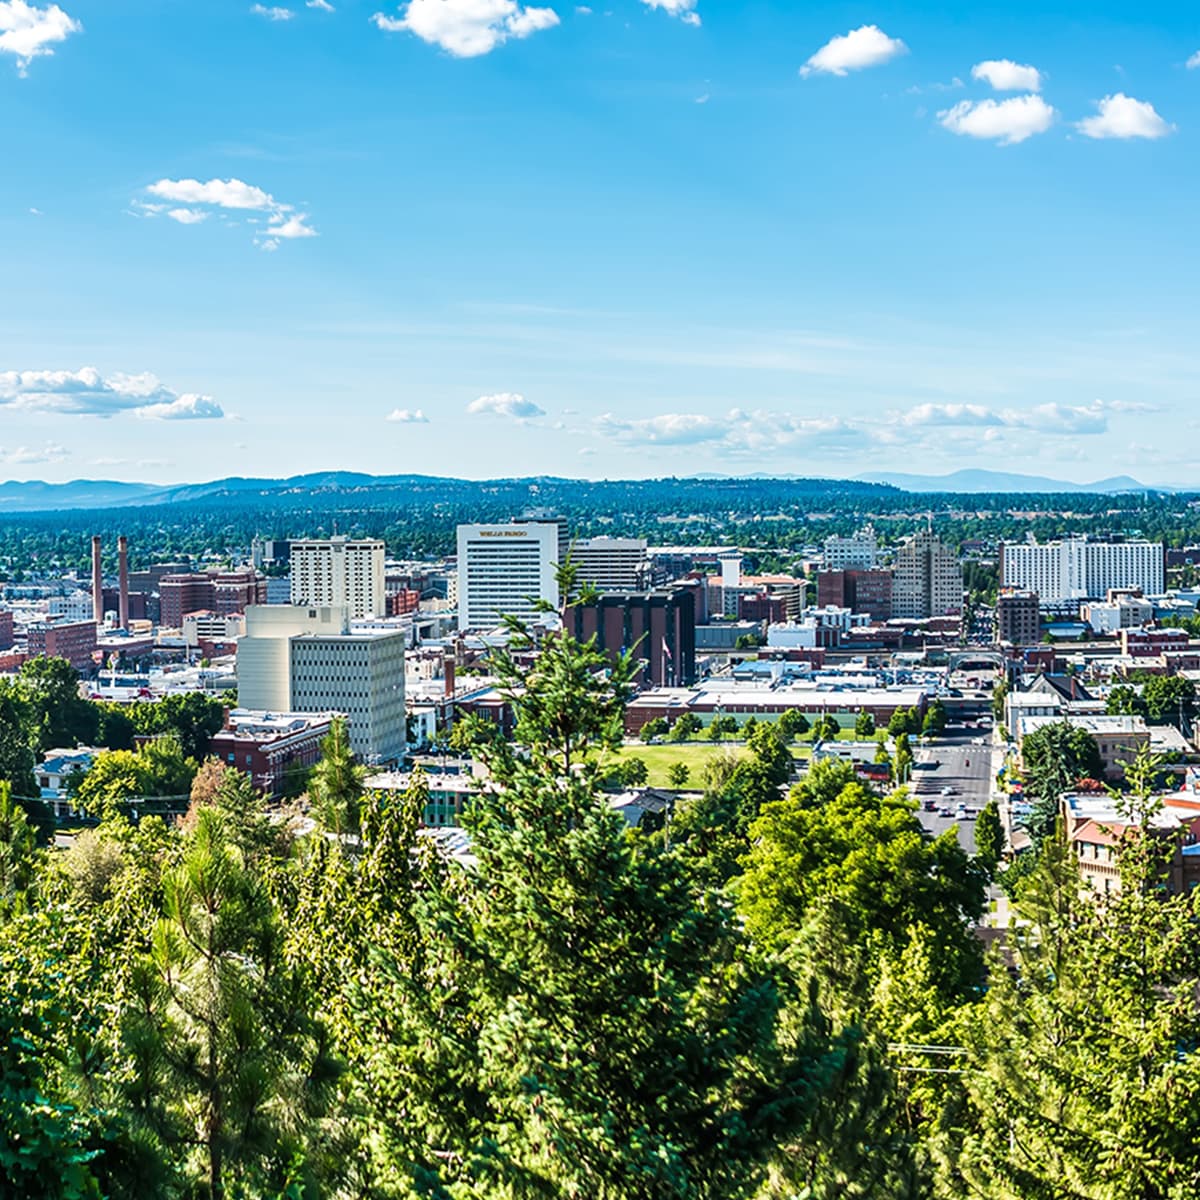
(1007, 76)
(197, 199)
(408, 416)
(88, 393)
(685, 10)
(272, 13)
(505, 404)
(867, 46)
(1005, 121)
(468, 28)
(323, 5)
(1121, 116)
(27, 32)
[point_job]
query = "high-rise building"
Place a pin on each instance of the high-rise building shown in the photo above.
(1018, 618)
(858, 552)
(312, 660)
(867, 592)
(503, 570)
(1076, 569)
(658, 627)
(339, 571)
(927, 580)
(611, 564)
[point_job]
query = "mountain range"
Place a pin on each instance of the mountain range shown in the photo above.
(38, 496)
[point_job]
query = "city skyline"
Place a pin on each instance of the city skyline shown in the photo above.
(474, 237)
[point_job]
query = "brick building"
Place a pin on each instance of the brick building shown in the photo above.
(6, 629)
(1018, 618)
(73, 640)
(265, 745)
(208, 591)
(867, 592)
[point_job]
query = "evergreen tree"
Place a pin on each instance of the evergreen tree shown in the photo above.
(989, 836)
(1083, 1074)
(864, 725)
(335, 788)
(575, 1020)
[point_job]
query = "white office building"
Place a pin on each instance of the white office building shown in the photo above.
(1076, 569)
(337, 572)
(313, 660)
(858, 552)
(611, 564)
(504, 570)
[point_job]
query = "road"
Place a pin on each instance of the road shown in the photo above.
(964, 763)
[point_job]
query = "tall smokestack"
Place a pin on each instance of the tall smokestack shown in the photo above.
(97, 583)
(123, 569)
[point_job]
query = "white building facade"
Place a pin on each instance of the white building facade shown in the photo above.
(505, 570)
(311, 660)
(339, 572)
(858, 552)
(1075, 569)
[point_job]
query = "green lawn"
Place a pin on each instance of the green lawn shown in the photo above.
(696, 755)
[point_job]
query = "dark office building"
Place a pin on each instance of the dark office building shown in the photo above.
(658, 627)
(1018, 619)
(867, 592)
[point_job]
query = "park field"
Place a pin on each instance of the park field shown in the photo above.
(660, 757)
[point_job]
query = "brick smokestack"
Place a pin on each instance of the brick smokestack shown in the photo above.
(123, 569)
(97, 582)
(448, 673)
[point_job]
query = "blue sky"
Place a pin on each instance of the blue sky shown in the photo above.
(477, 237)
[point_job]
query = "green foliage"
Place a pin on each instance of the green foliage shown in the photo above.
(935, 719)
(684, 727)
(191, 718)
(793, 724)
(872, 861)
(1055, 758)
(16, 754)
(1082, 1052)
(154, 776)
(677, 775)
(989, 836)
(653, 728)
(576, 1019)
(864, 725)
(18, 847)
(1169, 698)
(56, 714)
(335, 786)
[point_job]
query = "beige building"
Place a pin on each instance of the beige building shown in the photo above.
(311, 660)
(339, 572)
(611, 564)
(1118, 738)
(927, 579)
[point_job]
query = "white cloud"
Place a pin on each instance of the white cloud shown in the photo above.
(1007, 76)
(1121, 116)
(28, 32)
(468, 28)
(25, 456)
(734, 432)
(1194, 61)
(1051, 417)
(867, 46)
(272, 13)
(88, 393)
(1006, 121)
(323, 5)
(188, 407)
(506, 404)
(407, 416)
(199, 199)
(685, 10)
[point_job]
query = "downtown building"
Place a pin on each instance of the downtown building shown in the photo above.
(312, 660)
(927, 579)
(504, 570)
(339, 572)
(1076, 569)
(658, 628)
(611, 564)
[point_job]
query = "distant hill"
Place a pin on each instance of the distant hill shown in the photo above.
(971, 481)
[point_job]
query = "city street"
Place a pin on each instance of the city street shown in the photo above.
(963, 761)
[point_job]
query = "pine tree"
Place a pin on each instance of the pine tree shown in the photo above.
(335, 788)
(575, 1020)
